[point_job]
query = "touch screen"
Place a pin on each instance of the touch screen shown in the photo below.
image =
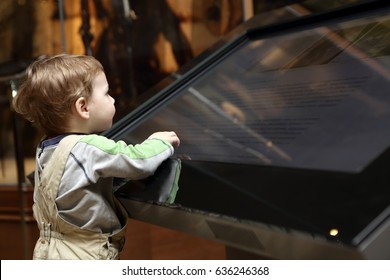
(314, 99)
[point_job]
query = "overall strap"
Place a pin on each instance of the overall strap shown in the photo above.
(55, 167)
(52, 173)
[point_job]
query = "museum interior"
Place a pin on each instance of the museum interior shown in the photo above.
(282, 108)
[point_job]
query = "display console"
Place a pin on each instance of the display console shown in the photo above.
(285, 136)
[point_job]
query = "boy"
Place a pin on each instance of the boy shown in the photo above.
(77, 214)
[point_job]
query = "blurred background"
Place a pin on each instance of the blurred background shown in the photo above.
(139, 44)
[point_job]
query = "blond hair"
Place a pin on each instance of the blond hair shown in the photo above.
(51, 87)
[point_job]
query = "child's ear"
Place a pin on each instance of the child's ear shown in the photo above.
(81, 106)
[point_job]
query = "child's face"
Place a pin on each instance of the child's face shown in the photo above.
(100, 105)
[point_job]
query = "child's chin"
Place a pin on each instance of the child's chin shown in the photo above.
(101, 130)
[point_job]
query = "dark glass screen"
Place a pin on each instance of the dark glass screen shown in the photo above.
(312, 99)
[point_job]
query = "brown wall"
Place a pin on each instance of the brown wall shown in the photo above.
(143, 241)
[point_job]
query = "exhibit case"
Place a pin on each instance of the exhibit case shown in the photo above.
(285, 137)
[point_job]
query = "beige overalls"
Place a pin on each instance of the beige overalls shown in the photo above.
(58, 238)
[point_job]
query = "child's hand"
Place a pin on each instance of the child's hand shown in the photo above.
(169, 136)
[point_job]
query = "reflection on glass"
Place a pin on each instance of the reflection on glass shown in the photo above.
(312, 99)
